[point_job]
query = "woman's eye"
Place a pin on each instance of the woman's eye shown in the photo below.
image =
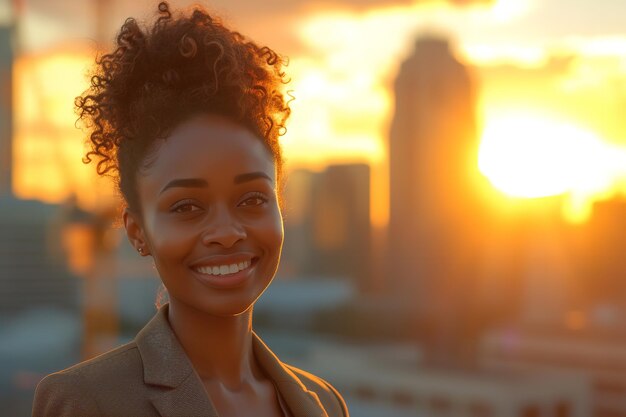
(185, 208)
(254, 200)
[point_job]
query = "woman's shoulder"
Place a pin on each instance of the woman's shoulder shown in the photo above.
(111, 362)
(328, 395)
(71, 391)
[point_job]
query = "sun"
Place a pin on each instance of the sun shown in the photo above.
(529, 156)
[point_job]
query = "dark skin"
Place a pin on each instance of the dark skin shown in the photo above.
(210, 219)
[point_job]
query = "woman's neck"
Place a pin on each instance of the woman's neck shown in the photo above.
(220, 348)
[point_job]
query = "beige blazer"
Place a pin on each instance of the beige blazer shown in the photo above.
(152, 376)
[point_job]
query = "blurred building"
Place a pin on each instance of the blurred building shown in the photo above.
(572, 317)
(436, 223)
(38, 295)
(529, 266)
(40, 330)
(297, 305)
(575, 274)
(6, 115)
(548, 273)
(296, 210)
(341, 222)
(597, 252)
(327, 224)
(384, 380)
(600, 358)
(31, 276)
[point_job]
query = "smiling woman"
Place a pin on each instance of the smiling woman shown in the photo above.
(186, 115)
(204, 210)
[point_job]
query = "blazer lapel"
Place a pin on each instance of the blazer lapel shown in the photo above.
(301, 402)
(189, 399)
(178, 391)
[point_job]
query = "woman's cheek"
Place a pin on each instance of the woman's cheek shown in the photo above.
(276, 231)
(172, 241)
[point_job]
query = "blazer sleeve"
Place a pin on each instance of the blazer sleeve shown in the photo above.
(63, 395)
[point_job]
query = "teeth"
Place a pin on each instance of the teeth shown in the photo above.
(223, 269)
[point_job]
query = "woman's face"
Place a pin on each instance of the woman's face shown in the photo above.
(210, 216)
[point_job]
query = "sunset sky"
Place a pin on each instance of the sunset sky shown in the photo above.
(551, 77)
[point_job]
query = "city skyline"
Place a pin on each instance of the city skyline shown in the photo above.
(543, 81)
(498, 296)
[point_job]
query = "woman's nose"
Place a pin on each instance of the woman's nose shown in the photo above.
(223, 229)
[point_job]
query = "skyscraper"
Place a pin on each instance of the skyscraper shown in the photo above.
(30, 273)
(434, 213)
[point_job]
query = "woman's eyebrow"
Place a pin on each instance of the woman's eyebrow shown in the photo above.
(185, 182)
(251, 176)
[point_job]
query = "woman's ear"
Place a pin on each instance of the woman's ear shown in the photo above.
(135, 233)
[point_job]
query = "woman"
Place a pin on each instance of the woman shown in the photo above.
(187, 114)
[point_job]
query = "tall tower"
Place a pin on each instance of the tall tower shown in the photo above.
(6, 115)
(432, 149)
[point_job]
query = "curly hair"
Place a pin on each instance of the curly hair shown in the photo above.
(159, 76)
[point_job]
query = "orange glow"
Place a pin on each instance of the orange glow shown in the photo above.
(78, 242)
(529, 156)
(576, 320)
(342, 72)
(506, 10)
(48, 147)
(338, 117)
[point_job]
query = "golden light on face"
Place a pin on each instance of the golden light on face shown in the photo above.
(210, 216)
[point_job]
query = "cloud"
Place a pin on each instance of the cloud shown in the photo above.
(360, 5)
(70, 9)
(65, 20)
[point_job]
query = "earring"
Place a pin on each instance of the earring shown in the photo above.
(140, 251)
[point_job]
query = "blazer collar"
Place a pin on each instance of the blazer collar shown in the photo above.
(299, 399)
(166, 364)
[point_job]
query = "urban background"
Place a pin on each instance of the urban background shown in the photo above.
(455, 206)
